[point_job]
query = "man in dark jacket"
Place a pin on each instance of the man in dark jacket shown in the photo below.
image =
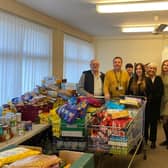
(91, 81)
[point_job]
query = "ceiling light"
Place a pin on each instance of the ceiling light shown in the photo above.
(132, 7)
(160, 28)
(166, 29)
(138, 29)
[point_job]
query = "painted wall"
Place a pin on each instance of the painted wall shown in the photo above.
(132, 50)
(136, 49)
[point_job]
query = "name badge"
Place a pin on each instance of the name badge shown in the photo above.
(120, 88)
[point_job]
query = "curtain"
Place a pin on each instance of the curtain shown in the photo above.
(77, 56)
(25, 55)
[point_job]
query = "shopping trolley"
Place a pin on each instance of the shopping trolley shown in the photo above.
(119, 136)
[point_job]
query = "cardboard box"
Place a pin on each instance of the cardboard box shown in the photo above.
(77, 159)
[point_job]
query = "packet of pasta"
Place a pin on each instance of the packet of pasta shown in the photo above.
(11, 155)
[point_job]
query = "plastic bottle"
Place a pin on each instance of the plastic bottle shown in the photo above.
(63, 84)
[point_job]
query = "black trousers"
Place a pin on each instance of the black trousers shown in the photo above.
(150, 130)
(165, 126)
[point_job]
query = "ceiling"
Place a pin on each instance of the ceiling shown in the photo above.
(82, 15)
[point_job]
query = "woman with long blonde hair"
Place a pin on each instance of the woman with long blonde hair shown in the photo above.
(164, 104)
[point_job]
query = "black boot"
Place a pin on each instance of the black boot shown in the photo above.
(153, 145)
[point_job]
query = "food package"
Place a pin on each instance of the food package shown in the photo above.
(91, 101)
(120, 114)
(91, 109)
(11, 155)
(37, 161)
(130, 101)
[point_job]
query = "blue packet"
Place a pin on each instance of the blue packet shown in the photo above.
(114, 105)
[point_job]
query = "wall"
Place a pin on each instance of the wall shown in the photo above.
(137, 49)
(59, 28)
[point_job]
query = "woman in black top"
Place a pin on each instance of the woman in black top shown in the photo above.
(153, 105)
(152, 88)
(139, 84)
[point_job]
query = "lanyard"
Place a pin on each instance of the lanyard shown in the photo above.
(118, 79)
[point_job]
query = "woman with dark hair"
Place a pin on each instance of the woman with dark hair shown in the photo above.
(138, 83)
(152, 88)
(129, 68)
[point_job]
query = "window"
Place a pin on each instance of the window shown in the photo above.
(25, 56)
(77, 56)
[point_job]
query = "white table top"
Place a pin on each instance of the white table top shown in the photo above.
(36, 129)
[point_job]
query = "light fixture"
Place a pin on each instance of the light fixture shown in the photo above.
(153, 28)
(160, 28)
(166, 29)
(137, 29)
(132, 7)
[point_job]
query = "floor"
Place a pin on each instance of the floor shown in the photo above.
(156, 158)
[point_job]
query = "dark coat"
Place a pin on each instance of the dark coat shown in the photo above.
(139, 92)
(154, 99)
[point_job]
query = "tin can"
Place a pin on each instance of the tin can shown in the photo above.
(13, 121)
(28, 125)
(18, 117)
(6, 132)
(20, 129)
(14, 130)
(7, 120)
(2, 120)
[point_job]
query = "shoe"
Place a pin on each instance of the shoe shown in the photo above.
(146, 142)
(164, 143)
(153, 145)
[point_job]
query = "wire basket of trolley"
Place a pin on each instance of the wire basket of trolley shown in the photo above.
(118, 127)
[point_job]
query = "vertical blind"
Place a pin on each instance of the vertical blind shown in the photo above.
(25, 55)
(77, 56)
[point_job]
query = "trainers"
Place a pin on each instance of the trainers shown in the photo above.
(164, 143)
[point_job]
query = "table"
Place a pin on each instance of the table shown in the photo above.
(36, 129)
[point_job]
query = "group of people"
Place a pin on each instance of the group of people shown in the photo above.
(144, 81)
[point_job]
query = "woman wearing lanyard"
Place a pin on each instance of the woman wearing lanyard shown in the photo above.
(116, 80)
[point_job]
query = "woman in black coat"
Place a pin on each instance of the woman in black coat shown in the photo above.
(152, 113)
